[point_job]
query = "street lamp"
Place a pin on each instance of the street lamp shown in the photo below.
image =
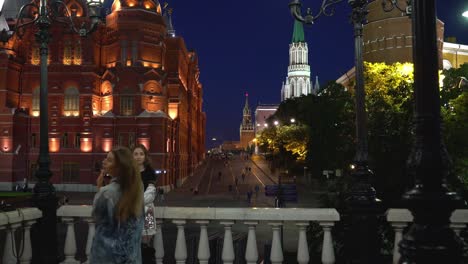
(362, 205)
(276, 123)
(45, 12)
(293, 120)
(465, 14)
(430, 239)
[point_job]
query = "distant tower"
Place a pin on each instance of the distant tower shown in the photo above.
(247, 132)
(298, 80)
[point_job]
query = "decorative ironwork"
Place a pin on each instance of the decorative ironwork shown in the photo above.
(390, 5)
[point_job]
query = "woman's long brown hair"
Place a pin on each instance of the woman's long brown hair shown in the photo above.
(131, 186)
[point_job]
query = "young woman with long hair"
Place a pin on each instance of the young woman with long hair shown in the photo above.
(141, 156)
(118, 212)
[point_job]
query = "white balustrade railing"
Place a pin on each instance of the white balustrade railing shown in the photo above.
(22, 218)
(227, 217)
(399, 219)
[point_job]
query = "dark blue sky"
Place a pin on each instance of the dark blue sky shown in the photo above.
(243, 47)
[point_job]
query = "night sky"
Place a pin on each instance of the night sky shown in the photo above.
(243, 47)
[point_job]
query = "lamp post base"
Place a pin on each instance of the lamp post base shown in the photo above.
(361, 218)
(430, 239)
(45, 198)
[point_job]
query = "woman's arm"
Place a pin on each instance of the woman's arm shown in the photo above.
(150, 194)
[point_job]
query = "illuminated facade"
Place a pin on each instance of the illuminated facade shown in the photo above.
(133, 81)
(262, 113)
(388, 38)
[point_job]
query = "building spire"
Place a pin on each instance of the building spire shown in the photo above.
(168, 20)
(246, 106)
(298, 33)
(317, 85)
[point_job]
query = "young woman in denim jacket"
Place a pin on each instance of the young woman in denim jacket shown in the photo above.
(118, 212)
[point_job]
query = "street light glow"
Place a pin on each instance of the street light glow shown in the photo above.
(465, 14)
(276, 123)
(293, 120)
(214, 139)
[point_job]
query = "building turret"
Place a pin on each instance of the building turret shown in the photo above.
(247, 132)
(298, 80)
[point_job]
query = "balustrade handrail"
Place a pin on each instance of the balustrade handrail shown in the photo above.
(403, 215)
(19, 215)
(208, 213)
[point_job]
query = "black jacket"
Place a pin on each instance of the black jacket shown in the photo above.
(148, 176)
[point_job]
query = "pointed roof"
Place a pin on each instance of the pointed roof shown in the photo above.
(298, 33)
(246, 106)
(317, 84)
(167, 16)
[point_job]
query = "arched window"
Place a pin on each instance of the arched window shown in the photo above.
(293, 86)
(300, 87)
(71, 105)
(35, 102)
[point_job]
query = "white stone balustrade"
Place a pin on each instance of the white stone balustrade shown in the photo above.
(399, 219)
(227, 217)
(69, 215)
(21, 218)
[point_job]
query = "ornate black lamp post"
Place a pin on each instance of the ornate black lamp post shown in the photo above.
(430, 239)
(45, 12)
(362, 206)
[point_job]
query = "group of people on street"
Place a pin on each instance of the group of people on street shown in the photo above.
(123, 208)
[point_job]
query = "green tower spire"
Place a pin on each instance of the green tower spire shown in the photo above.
(298, 34)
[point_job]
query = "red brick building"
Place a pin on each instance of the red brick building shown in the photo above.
(132, 81)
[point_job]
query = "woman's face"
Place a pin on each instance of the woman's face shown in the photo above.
(139, 156)
(108, 163)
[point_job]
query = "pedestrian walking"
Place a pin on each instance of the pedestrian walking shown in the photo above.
(236, 180)
(118, 212)
(243, 177)
(249, 196)
(161, 194)
(141, 156)
(257, 189)
(219, 176)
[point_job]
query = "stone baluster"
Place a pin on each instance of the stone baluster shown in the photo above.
(89, 241)
(398, 228)
(328, 254)
(70, 242)
(26, 257)
(303, 256)
(181, 246)
(228, 246)
(276, 255)
(10, 251)
(251, 251)
(158, 243)
(457, 227)
(203, 246)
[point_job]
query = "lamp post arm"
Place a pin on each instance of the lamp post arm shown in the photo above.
(19, 26)
(390, 5)
(82, 31)
(326, 9)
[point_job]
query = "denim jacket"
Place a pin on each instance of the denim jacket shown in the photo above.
(114, 242)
